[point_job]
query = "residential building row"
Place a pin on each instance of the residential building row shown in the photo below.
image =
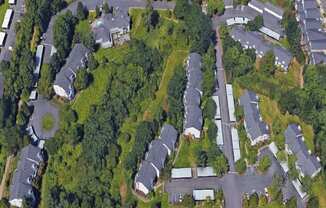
(183, 173)
(306, 163)
(155, 159)
(272, 16)
(22, 186)
(193, 118)
(257, 130)
(313, 34)
(253, 40)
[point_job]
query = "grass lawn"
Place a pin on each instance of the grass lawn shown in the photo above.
(3, 9)
(47, 122)
(187, 151)
(318, 188)
(271, 113)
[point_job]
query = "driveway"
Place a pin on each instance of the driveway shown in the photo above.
(41, 108)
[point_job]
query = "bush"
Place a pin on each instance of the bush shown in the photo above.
(212, 131)
(82, 80)
(241, 166)
(210, 109)
(264, 163)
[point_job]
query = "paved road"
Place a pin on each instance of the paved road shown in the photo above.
(41, 108)
(221, 91)
(91, 5)
(5, 53)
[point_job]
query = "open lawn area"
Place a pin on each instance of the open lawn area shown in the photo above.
(47, 122)
(319, 190)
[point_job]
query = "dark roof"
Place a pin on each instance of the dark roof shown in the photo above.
(318, 45)
(272, 23)
(191, 96)
(193, 117)
(310, 4)
(258, 4)
(312, 24)
(194, 62)
(318, 58)
(277, 10)
(295, 142)
(255, 40)
(74, 62)
(169, 136)
(315, 35)
(157, 154)
(312, 14)
(254, 125)
(29, 159)
(195, 78)
(108, 22)
(146, 175)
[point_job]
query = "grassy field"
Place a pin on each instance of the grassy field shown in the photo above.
(318, 189)
(271, 113)
(47, 122)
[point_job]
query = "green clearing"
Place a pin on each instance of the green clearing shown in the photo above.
(318, 189)
(47, 122)
(3, 9)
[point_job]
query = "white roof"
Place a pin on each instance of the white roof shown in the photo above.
(219, 135)
(273, 148)
(33, 95)
(298, 186)
(2, 38)
(200, 195)
(38, 59)
(181, 173)
(235, 144)
(218, 111)
(7, 18)
(230, 99)
(12, 1)
(205, 172)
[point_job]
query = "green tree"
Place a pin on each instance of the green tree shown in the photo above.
(210, 109)
(241, 166)
(212, 131)
(264, 163)
(202, 158)
(267, 63)
(253, 200)
(188, 201)
(215, 7)
(291, 203)
(313, 202)
(81, 11)
(82, 80)
(220, 165)
(92, 62)
(255, 24)
(97, 11)
(106, 8)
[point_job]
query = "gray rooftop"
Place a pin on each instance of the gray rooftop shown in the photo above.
(195, 78)
(272, 23)
(107, 24)
(29, 159)
(277, 10)
(254, 125)
(169, 136)
(157, 154)
(194, 61)
(295, 142)
(313, 35)
(193, 117)
(260, 5)
(146, 175)
(312, 24)
(191, 96)
(75, 61)
(255, 40)
(310, 4)
(312, 14)
(318, 45)
(318, 58)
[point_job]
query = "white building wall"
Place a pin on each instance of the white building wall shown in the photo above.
(141, 187)
(60, 91)
(192, 132)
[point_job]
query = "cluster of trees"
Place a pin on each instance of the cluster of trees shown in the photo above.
(215, 7)
(293, 33)
(309, 103)
(209, 69)
(264, 163)
(236, 60)
(255, 24)
(83, 156)
(176, 88)
(196, 25)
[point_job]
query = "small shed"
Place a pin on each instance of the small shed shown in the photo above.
(3, 36)
(177, 173)
(205, 172)
(204, 194)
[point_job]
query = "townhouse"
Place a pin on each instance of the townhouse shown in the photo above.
(254, 40)
(193, 118)
(22, 187)
(77, 59)
(155, 159)
(257, 130)
(112, 29)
